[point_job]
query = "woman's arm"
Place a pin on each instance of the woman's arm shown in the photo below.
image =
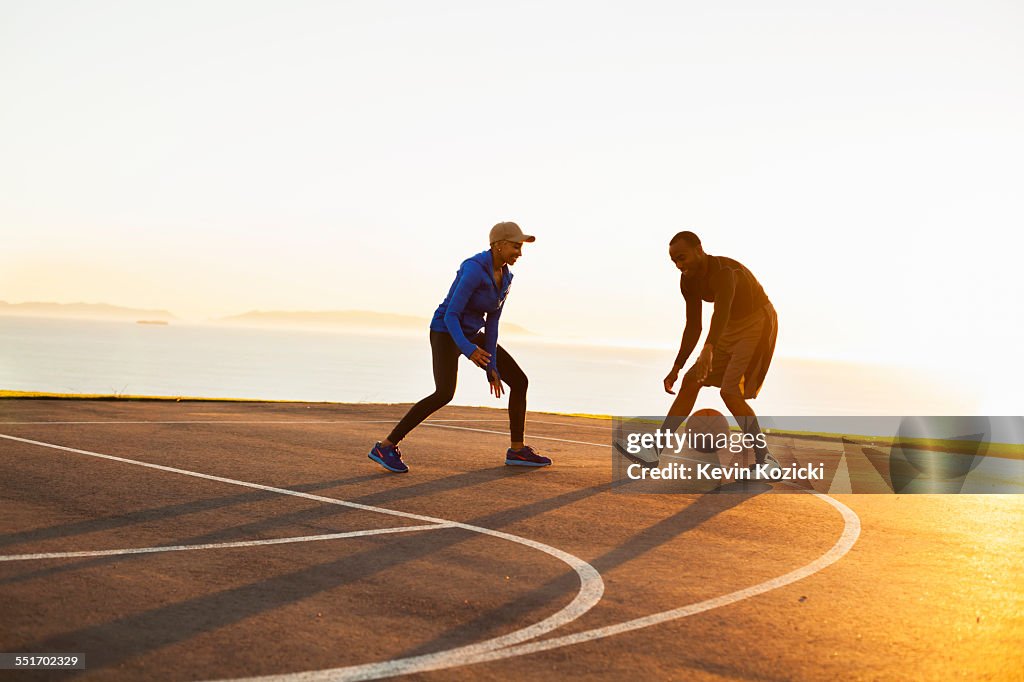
(491, 339)
(468, 280)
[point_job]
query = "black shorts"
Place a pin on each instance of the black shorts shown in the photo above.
(743, 353)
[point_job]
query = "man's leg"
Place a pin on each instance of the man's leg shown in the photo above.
(743, 342)
(747, 420)
(678, 413)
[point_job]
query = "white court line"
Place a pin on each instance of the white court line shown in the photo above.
(216, 421)
(286, 421)
(591, 584)
(243, 421)
(414, 664)
(575, 426)
(219, 545)
(531, 421)
(372, 671)
(490, 650)
(535, 421)
(505, 433)
(851, 531)
(433, 423)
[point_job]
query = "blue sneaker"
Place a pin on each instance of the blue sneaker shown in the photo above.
(525, 457)
(388, 457)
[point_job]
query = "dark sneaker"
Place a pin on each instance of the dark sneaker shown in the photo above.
(769, 465)
(389, 457)
(645, 458)
(525, 457)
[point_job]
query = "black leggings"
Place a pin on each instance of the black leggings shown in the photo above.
(446, 369)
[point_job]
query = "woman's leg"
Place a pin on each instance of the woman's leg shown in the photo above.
(445, 356)
(514, 377)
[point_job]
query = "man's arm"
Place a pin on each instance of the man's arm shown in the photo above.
(723, 284)
(691, 333)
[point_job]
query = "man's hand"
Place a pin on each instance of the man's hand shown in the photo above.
(496, 388)
(480, 357)
(703, 364)
(670, 380)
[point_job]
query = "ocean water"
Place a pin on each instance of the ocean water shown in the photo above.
(85, 356)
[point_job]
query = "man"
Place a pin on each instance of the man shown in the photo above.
(740, 340)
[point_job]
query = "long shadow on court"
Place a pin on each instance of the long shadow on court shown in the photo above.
(448, 483)
(646, 540)
(166, 512)
(257, 528)
(163, 513)
(117, 641)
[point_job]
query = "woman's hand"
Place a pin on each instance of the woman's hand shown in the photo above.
(480, 357)
(496, 388)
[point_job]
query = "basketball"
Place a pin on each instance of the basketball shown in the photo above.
(706, 429)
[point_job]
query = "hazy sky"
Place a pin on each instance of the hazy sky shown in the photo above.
(863, 159)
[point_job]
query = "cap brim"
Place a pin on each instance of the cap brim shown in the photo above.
(528, 238)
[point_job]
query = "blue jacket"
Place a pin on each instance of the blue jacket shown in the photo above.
(472, 303)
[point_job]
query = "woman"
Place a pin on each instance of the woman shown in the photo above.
(466, 323)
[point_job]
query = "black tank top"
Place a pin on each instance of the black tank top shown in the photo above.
(748, 297)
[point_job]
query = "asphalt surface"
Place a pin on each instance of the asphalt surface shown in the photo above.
(549, 573)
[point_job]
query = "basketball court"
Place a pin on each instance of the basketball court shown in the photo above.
(215, 541)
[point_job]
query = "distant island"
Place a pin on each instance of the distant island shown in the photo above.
(342, 319)
(86, 311)
(356, 320)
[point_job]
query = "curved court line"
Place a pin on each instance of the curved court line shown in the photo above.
(219, 545)
(589, 594)
(516, 643)
(416, 664)
(851, 531)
